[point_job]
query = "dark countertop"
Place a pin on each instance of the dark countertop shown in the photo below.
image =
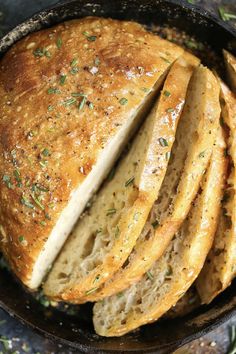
(24, 340)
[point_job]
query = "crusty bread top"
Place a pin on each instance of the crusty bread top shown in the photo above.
(64, 93)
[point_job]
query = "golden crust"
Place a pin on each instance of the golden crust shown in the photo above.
(49, 138)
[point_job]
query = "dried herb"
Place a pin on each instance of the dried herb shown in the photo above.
(59, 42)
(163, 142)
(129, 181)
(123, 101)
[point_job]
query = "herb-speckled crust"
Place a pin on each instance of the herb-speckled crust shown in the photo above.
(49, 138)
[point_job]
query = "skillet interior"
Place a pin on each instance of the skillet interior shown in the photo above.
(163, 336)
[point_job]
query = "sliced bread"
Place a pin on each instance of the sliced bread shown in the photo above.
(220, 266)
(104, 238)
(190, 156)
(171, 276)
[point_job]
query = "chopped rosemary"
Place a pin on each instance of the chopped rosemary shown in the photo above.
(52, 90)
(145, 89)
(47, 216)
(7, 180)
(117, 231)
(97, 61)
(47, 54)
(169, 271)
(111, 174)
(59, 42)
(43, 223)
(43, 163)
(202, 154)
(167, 93)
(74, 70)
(129, 181)
(91, 106)
(92, 38)
(37, 201)
(111, 211)
(89, 38)
(41, 52)
(69, 102)
(169, 110)
(62, 79)
(26, 202)
(226, 16)
(50, 108)
(123, 101)
(82, 103)
(167, 155)
(166, 60)
(37, 187)
(74, 62)
(150, 276)
(21, 239)
(155, 224)
(16, 173)
(90, 291)
(96, 278)
(45, 152)
(78, 94)
(163, 142)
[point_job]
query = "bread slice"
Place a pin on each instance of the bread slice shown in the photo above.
(185, 305)
(171, 276)
(220, 266)
(230, 63)
(70, 98)
(90, 256)
(190, 156)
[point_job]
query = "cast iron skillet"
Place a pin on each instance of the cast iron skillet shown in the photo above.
(77, 331)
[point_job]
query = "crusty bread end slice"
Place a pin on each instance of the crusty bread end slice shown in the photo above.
(220, 266)
(172, 275)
